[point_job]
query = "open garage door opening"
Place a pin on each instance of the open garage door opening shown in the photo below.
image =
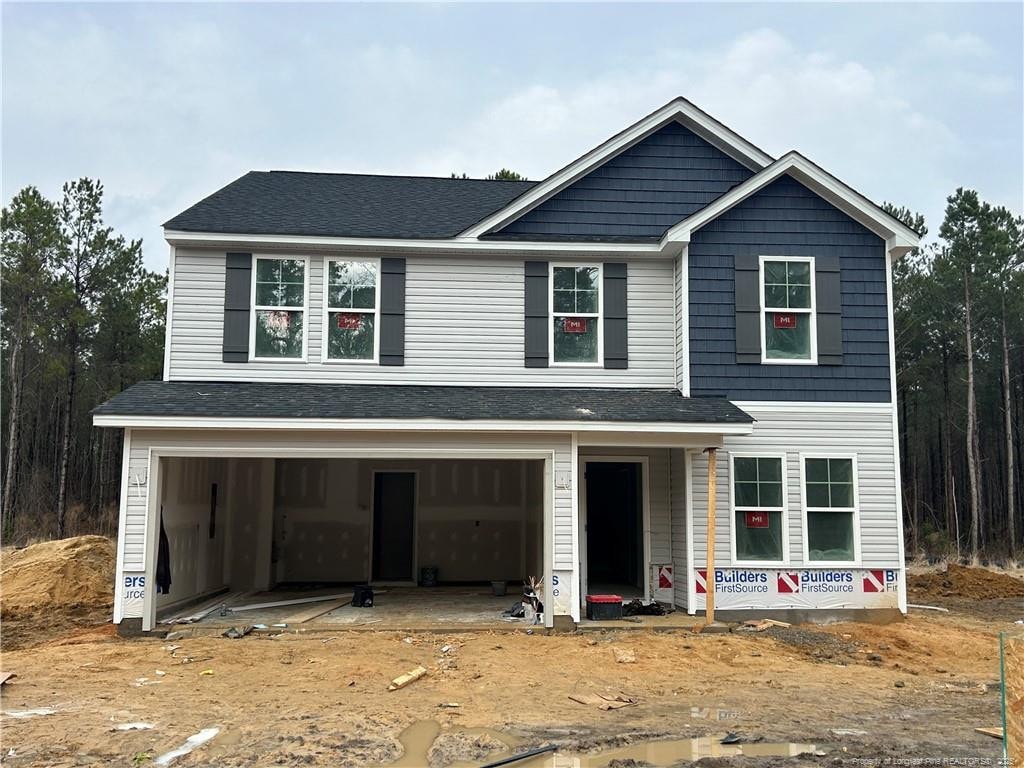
(428, 535)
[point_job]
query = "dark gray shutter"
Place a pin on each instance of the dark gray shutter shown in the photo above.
(748, 309)
(237, 295)
(536, 329)
(829, 306)
(392, 311)
(616, 334)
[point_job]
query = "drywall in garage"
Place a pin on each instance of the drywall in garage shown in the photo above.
(195, 530)
(476, 520)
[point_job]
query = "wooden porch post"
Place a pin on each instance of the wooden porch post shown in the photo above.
(710, 572)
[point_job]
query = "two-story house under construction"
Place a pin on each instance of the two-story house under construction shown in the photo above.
(367, 376)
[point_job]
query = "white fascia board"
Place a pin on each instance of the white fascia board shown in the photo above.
(307, 243)
(899, 237)
(679, 110)
(417, 425)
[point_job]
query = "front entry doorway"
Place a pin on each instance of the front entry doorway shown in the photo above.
(615, 551)
(394, 526)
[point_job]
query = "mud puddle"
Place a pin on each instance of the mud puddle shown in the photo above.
(422, 739)
(425, 742)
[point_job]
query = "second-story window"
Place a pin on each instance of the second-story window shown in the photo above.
(576, 314)
(279, 306)
(351, 310)
(787, 306)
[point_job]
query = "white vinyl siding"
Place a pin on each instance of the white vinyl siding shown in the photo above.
(464, 325)
(863, 431)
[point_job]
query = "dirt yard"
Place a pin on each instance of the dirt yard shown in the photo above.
(847, 694)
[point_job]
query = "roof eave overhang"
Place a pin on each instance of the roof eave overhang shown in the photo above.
(420, 425)
(678, 110)
(900, 239)
(182, 238)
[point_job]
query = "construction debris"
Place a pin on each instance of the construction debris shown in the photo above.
(317, 610)
(409, 677)
(133, 727)
(235, 633)
(636, 607)
(624, 655)
(5, 676)
(760, 625)
(196, 740)
(605, 701)
(281, 603)
(22, 714)
(202, 610)
(995, 733)
(928, 607)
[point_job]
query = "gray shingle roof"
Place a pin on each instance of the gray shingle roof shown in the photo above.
(382, 401)
(347, 205)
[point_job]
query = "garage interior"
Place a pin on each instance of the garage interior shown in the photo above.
(257, 530)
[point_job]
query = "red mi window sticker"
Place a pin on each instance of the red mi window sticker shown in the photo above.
(784, 320)
(756, 519)
(349, 321)
(574, 325)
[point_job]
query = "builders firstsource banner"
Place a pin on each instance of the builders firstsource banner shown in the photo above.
(800, 588)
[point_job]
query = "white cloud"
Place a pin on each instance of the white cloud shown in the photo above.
(166, 104)
(963, 44)
(850, 116)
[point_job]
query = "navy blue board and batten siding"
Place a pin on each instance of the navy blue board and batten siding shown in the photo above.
(787, 219)
(636, 195)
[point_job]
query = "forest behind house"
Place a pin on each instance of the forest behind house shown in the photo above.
(83, 319)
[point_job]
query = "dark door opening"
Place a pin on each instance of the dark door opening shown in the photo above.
(394, 524)
(614, 535)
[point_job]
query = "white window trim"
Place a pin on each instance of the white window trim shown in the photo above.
(254, 309)
(599, 317)
(855, 510)
(812, 312)
(326, 310)
(783, 510)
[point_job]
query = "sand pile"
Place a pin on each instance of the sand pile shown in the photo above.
(57, 576)
(961, 581)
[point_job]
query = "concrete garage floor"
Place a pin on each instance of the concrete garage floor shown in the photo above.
(440, 609)
(402, 609)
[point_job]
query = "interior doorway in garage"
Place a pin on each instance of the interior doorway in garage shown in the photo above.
(614, 524)
(394, 526)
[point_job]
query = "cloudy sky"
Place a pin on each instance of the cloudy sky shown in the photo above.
(167, 103)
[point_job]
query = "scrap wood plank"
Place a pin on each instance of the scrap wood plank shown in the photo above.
(317, 610)
(403, 680)
(281, 603)
(996, 733)
(5, 676)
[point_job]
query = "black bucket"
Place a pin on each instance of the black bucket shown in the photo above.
(428, 576)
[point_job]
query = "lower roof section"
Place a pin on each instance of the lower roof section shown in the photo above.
(303, 405)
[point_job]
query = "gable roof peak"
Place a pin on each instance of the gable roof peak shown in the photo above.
(679, 109)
